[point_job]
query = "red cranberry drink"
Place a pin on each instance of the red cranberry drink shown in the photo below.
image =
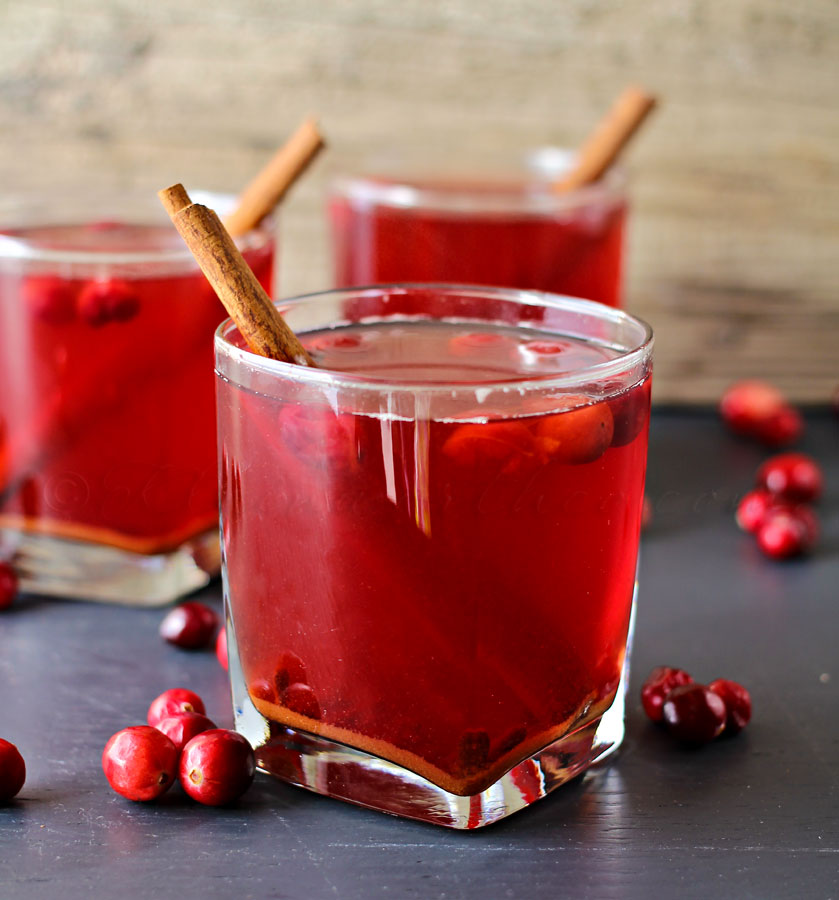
(107, 422)
(431, 545)
(515, 233)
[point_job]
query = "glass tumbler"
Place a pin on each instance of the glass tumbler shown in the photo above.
(509, 231)
(108, 486)
(430, 544)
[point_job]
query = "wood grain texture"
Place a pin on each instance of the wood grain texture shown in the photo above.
(735, 232)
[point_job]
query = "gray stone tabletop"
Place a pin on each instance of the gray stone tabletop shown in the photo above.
(754, 816)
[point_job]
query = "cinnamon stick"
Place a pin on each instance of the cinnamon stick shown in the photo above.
(256, 317)
(608, 139)
(269, 187)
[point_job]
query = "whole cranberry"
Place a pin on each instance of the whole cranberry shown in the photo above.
(50, 299)
(747, 404)
(221, 648)
(217, 767)
(792, 476)
(290, 669)
(752, 509)
(759, 410)
(182, 728)
(578, 435)
(738, 703)
(12, 771)
(140, 762)
(300, 698)
(787, 531)
(101, 302)
(190, 625)
(8, 585)
(781, 428)
(173, 702)
(660, 682)
(694, 714)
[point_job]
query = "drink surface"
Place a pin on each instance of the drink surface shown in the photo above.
(451, 591)
(106, 394)
(576, 251)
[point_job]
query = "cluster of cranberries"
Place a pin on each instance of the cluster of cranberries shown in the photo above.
(12, 771)
(778, 510)
(214, 766)
(194, 626)
(695, 713)
(59, 301)
(8, 585)
(758, 410)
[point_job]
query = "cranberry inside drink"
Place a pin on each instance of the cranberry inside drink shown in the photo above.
(442, 587)
(107, 416)
(508, 234)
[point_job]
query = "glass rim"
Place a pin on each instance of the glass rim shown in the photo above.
(19, 247)
(403, 191)
(601, 371)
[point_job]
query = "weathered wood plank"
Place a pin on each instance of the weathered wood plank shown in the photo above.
(735, 234)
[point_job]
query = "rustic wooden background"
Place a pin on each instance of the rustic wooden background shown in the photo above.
(735, 235)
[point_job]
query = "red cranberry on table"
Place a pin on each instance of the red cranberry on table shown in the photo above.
(738, 703)
(8, 585)
(787, 531)
(752, 509)
(12, 771)
(660, 682)
(140, 762)
(172, 703)
(221, 648)
(694, 714)
(190, 625)
(757, 409)
(792, 476)
(182, 728)
(217, 767)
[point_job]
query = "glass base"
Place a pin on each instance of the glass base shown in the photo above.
(345, 773)
(61, 567)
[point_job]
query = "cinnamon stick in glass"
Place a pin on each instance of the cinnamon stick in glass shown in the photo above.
(607, 141)
(244, 298)
(266, 190)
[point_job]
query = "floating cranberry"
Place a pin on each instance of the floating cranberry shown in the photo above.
(658, 685)
(757, 409)
(694, 714)
(221, 648)
(579, 435)
(173, 702)
(787, 531)
(12, 771)
(8, 585)
(504, 446)
(472, 341)
(182, 728)
(752, 510)
(190, 625)
(630, 411)
(792, 476)
(140, 763)
(300, 698)
(738, 703)
(290, 670)
(101, 302)
(544, 348)
(50, 299)
(217, 767)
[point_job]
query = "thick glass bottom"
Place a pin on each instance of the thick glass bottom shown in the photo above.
(62, 567)
(346, 773)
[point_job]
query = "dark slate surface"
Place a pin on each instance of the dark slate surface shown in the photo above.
(754, 816)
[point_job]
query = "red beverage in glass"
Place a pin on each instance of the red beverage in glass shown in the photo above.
(510, 234)
(107, 417)
(425, 560)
